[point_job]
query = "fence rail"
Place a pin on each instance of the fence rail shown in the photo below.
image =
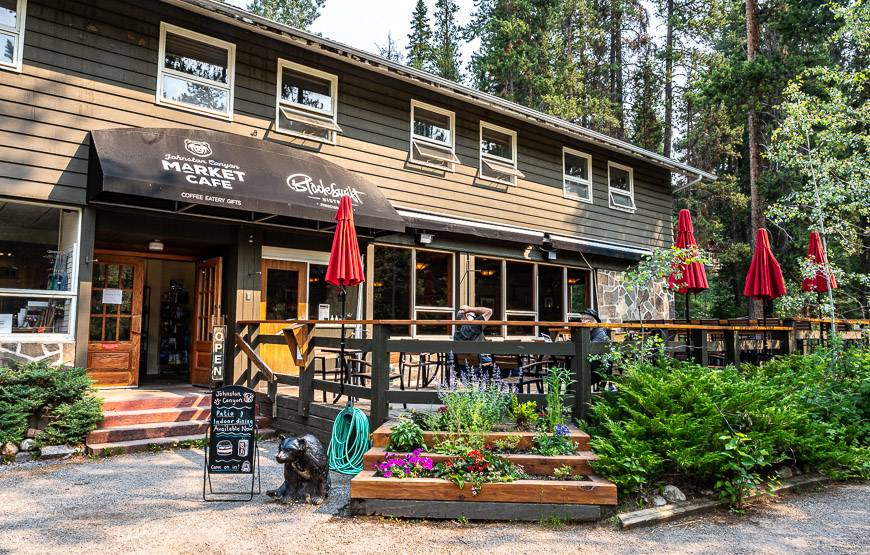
(705, 343)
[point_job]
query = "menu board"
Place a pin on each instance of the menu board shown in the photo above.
(232, 431)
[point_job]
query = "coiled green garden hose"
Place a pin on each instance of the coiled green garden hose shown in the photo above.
(349, 442)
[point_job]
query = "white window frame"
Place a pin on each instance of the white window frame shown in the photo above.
(498, 159)
(569, 178)
(72, 294)
(451, 164)
(18, 32)
(229, 86)
(629, 194)
(306, 114)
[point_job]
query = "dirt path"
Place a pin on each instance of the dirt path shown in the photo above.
(150, 503)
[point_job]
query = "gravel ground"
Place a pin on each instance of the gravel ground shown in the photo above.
(151, 503)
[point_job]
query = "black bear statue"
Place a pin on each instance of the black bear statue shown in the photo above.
(306, 470)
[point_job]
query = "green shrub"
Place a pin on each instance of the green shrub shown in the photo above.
(472, 405)
(557, 381)
(524, 415)
(406, 436)
(722, 428)
(65, 396)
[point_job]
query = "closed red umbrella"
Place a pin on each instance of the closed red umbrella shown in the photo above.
(344, 269)
(692, 277)
(816, 254)
(764, 279)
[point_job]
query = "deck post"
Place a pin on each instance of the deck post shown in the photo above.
(789, 340)
(380, 407)
(250, 337)
(699, 347)
(306, 383)
(581, 371)
(732, 347)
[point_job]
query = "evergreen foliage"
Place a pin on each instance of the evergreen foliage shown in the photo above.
(296, 13)
(419, 49)
(446, 37)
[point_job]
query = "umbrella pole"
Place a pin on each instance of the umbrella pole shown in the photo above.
(344, 370)
(689, 345)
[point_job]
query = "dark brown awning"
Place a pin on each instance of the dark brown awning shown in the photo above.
(215, 173)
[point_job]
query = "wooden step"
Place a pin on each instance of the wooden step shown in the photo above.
(147, 416)
(139, 445)
(161, 400)
(152, 430)
(532, 464)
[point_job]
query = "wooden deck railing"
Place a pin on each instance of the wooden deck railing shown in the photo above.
(703, 342)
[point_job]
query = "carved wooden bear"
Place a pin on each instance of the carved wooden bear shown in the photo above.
(306, 470)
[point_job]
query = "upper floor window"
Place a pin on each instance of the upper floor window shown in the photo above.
(576, 175)
(195, 71)
(307, 102)
(12, 18)
(433, 136)
(620, 186)
(498, 154)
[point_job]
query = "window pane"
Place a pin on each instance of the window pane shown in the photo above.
(577, 290)
(282, 294)
(496, 144)
(550, 293)
(621, 200)
(619, 179)
(320, 292)
(124, 329)
(288, 124)
(305, 90)
(8, 15)
(432, 125)
(521, 330)
(195, 94)
(487, 285)
(36, 315)
(576, 166)
(7, 48)
(433, 330)
(37, 244)
(520, 286)
(196, 58)
(392, 286)
(111, 329)
(434, 279)
(96, 333)
(579, 190)
(113, 273)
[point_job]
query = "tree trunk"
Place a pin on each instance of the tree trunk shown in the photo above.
(756, 216)
(669, 78)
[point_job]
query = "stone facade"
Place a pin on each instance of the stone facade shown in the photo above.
(615, 304)
(21, 352)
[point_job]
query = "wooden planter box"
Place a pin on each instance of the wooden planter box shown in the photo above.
(533, 464)
(381, 437)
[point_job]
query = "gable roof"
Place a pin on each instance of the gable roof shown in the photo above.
(221, 11)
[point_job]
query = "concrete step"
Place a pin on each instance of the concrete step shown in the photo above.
(114, 418)
(158, 401)
(155, 444)
(153, 430)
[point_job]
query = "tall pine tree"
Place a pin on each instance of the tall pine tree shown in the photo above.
(647, 130)
(419, 49)
(446, 37)
(296, 13)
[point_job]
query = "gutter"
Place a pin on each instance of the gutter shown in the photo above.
(241, 18)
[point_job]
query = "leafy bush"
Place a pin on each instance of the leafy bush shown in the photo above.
(555, 444)
(65, 396)
(557, 381)
(406, 436)
(474, 404)
(723, 428)
(524, 415)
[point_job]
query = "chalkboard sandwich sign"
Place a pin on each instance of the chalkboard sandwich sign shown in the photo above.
(232, 437)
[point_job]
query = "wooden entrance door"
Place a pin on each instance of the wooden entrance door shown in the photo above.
(206, 313)
(116, 320)
(284, 296)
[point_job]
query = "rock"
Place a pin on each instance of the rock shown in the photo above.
(673, 494)
(24, 456)
(57, 452)
(27, 445)
(784, 472)
(659, 501)
(31, 432)
(706, 492)
(9, 450)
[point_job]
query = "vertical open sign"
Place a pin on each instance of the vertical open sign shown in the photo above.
(218, 353)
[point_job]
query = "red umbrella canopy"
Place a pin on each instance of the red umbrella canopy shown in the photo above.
(816, 254)
(345, 263)
(764, 280)
(693, 277)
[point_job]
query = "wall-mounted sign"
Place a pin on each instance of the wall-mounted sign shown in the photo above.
(323, 312)
(5, 323)
(218, 353)
(112, 296)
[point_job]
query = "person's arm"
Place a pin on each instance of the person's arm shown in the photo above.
(479, 310)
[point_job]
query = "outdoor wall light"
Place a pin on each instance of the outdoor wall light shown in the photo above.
(155, 245)
(486, 273)
(425, 238)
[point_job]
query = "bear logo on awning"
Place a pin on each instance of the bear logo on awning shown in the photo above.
(197, 148)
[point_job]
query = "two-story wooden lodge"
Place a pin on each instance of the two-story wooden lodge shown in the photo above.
(164, 164)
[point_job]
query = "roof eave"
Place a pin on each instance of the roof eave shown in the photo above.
(241, 18)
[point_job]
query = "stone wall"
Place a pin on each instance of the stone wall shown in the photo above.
(21, 352)
(615, 304)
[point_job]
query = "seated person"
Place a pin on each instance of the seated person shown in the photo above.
(471, 332)
(599, 335)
